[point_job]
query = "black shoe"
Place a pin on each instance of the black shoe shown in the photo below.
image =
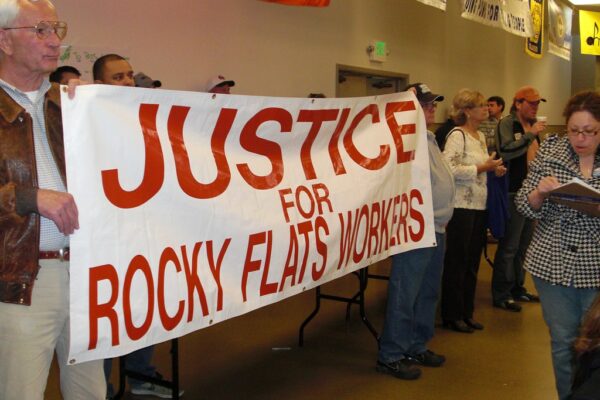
(473, 324)
(400, 369)
(528, 298)
(427, 359)
(458, 326)
(508, 305)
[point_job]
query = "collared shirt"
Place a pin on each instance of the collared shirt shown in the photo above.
(47, 171)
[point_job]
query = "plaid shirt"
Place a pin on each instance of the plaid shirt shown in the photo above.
(565, 249)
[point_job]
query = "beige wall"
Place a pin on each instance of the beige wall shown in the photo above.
(278, 50)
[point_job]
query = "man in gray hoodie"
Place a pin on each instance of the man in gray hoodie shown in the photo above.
(415, 280)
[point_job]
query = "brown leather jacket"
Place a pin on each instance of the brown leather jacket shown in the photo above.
(19, 220)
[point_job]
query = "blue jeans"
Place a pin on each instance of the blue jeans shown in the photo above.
(508, 277)
(138, 361)
(563, 307)
(413, 291)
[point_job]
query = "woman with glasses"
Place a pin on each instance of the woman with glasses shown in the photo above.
(466, 152)
(564, 255)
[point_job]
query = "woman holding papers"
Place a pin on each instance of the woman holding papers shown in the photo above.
(564, 255)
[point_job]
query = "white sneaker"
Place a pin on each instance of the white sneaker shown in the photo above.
(151, 389)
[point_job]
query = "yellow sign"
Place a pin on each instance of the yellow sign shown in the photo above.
(589, 31)
(535, 43)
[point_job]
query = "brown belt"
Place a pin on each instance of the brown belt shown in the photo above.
(62, 255)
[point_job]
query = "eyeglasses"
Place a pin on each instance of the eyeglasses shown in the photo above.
(44, 29)
(584, 132)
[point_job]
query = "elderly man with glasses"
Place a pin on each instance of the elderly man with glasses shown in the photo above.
(37, 215)
(517, 135)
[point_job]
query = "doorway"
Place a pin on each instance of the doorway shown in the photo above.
(360, 82)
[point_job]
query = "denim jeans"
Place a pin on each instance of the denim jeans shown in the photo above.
(563, 307)
(413, 291)
(508, 276)
(138, 361)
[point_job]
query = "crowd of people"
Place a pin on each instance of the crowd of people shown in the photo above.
(557, 243)
(501, 182)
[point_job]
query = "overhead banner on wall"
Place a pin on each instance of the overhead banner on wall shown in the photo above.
(560, 16)
(511, 15)
(486, 12)
(589, 32)
(441, 4)
(195, 208)
(535, 44)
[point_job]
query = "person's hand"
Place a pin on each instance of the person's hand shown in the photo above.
(500, 170)
(547, 184)
(538, 127)
(59, 207)
(490, 164)
(72, 84)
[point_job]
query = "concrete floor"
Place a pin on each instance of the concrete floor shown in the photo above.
(243, 358)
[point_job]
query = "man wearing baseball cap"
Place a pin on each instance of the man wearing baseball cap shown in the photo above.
(516, 135)
(425, 96)
(415, 280)
(143, 80)
(218, 84)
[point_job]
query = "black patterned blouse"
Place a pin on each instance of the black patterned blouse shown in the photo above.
(565, 248)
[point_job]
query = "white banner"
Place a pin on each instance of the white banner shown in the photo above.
(441, 4)
(511, 15)
(484, 11)
(516, 18)
(195, 208)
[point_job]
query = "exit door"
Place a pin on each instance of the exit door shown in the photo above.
(360, 82)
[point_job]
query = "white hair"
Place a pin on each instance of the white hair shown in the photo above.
(9, 9)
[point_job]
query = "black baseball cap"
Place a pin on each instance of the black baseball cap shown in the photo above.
(424, 94)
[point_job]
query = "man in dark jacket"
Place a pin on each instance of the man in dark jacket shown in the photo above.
(516, 135)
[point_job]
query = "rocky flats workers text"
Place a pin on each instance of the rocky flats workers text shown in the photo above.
(195, 209)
